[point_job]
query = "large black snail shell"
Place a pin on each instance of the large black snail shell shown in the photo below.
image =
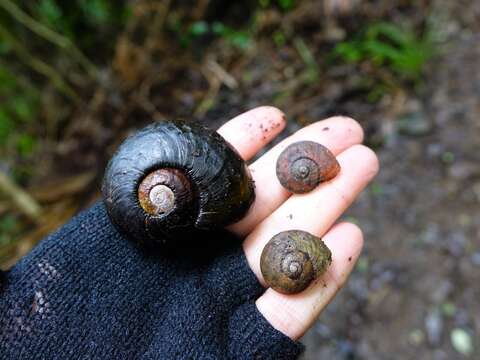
(292, 259)
(171, 179)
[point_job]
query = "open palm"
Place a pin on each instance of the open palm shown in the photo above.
(276, 210)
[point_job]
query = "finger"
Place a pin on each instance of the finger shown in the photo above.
(252, 130)
(336, 133)
(318, 210)
(294, 314)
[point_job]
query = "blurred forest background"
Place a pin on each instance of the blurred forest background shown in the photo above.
(77, 77)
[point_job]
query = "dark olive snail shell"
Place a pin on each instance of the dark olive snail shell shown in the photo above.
(292, 259)
(305, 164)
(171, 179)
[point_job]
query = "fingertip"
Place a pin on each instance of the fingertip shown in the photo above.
(368, 158)
(337, 133)
(348, 230)
(252, 130)
(271, 112)
(345, 240)
(351, 125)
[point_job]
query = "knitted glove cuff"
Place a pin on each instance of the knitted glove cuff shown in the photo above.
(252, 337)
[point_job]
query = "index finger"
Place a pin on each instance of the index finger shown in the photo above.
(251, 131)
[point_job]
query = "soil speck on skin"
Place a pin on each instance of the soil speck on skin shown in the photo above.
(326, 128)
(290, 216)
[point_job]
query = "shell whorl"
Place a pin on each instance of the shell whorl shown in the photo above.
(291, 260)
(210, 184)
(305, 164)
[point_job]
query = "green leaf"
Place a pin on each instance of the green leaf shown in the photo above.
(391, 31)
(448, 309)
(49, 11)
(199, 28)
(350, 51)
(279, 38)
(98, 11)
(25, 144)
(286, 4)
(219, 28)
(240, 39)
(380, 52)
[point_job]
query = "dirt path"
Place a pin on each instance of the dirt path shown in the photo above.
(419, 277)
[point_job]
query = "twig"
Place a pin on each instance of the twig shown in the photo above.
(41, 30)
(25, 203)
(222, 74)
(38, 65)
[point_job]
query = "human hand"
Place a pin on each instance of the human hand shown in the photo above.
(276, 210)
(87, 291)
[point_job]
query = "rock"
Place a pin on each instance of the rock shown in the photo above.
(461, 341)
(476, 258)
(416, 337)
(414, 124)
(462, 170)
(434, 326)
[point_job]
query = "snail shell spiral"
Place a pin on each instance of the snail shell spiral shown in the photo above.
(305, 164)
(292, 259)
(171, 179)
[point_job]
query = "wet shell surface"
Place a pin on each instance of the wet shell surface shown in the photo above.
(292, 259)
(305, 164)
(172, 179)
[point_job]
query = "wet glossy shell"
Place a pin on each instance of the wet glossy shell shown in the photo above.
(291, 260)
(171, 179)
(303, 165)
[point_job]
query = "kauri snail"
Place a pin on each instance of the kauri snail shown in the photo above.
(171, 179)
(292, 259)
(305, 164)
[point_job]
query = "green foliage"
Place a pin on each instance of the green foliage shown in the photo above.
(83, 21)
(286, 4)
(8, 228)
(234, 37)
(388, 46)
(19, 105)
(89, 24)
(282, 4)
(279, 38)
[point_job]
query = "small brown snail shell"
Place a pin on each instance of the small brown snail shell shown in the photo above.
(292, 259)
(305, 164)
(171, 180)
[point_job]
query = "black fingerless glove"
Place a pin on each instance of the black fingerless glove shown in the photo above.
(86, 292)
